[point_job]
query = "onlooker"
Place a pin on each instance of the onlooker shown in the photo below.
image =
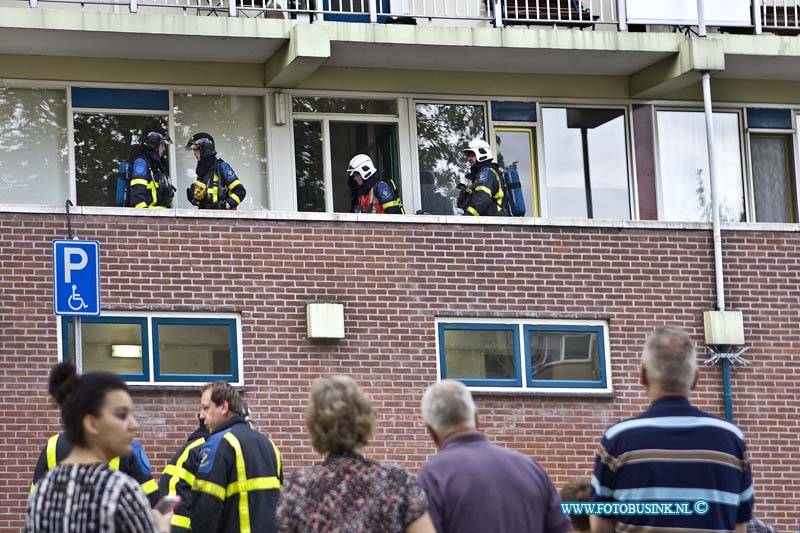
(178, 478)
(372, 194)
(82, 493)
(135, 464)
(433, 201)
(216, 186)
(474, 485)
(578, 490)
(239, 476)
(348, 492)
(483, 193)
(150, 185)
(673, 451)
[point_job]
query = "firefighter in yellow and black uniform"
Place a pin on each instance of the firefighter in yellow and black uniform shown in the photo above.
(217, 186)
(135, 464)
(150, 185)
(239, 477)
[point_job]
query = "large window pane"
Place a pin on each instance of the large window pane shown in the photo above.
(192, 349)
(443, 131)
(237, 125)
(307, 104)
(479, 354)
(772, 177)
(308, 166)
(683, 164)
(33, 146)
(586, 165)
(102, 141)
(99, 340)
(564, 356)
(515, 151)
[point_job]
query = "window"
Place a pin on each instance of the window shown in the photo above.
(158, 349)
(586, 163)
(684, 189)
(236, 123)
(772, 164)
(552, 356)
(34, 166)
(324, 147)
(443, 131)
(515, 151)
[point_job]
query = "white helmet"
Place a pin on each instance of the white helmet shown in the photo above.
(481, 149)
(362, 163)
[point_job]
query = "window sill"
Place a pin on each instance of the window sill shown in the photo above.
(559, 393)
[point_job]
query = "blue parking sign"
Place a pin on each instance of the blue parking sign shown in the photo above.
(76, 278)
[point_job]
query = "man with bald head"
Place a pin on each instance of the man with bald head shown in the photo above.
(476, 486)
(673, 452)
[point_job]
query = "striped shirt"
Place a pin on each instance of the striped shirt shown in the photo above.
(675, 452)
(81, 498)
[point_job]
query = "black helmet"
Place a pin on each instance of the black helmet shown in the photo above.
(154, 139)
(203, 142)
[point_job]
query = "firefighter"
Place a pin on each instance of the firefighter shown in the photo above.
(135, 464)
(150, 185)
(216, 186)
(178, 478)
(482, 194)
(372, 194)
(239, 477)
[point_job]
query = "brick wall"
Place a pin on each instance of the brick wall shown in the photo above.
(393, 280)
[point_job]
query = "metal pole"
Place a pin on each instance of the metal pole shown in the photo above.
(373, 15)
(701, 18)
(757, 16)
(712, 176)
(78, 345)
(622, 15)
(498, 14)
(587, 177)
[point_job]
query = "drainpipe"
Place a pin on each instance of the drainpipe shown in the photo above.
(715, 223)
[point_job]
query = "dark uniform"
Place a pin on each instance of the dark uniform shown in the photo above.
(178, 478)
(223, 188)
(377, 196)
(150, 186)
(238, 481)
(135, 464)
(484, 194)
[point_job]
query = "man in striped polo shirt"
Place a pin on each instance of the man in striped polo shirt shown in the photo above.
(673, 452)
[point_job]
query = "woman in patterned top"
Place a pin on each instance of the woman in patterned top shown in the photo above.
(82, 493)
(347, 492)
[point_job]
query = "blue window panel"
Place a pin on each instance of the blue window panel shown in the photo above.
(514, 329)
(767, 118)
(571, 384)
(514, 111)
(100, 98)
(140, 321)
(232, 343)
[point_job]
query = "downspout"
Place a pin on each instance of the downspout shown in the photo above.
(715, 223)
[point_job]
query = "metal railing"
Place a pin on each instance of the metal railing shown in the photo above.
(574, 13)
(780, 14)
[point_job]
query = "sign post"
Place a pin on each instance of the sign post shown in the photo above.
(76, 285)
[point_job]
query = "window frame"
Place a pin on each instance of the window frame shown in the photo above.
(521, 327)
(149, 321)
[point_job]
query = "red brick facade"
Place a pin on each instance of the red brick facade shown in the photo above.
(394, 279)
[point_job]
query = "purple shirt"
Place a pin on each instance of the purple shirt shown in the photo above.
(474, 485)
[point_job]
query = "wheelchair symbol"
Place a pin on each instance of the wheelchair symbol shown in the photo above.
(75, 302)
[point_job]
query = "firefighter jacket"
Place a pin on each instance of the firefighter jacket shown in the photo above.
(484, 194)
(378, 196)
(178, 478)
(223, 190)
(135, 464)
(238, 481)
(150, 186)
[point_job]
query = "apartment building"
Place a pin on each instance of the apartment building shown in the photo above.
(597, 104)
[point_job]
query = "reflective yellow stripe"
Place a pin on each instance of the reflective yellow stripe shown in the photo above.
(140, 205)
(33, 486)
(209, 488)
(181, 521)
(113, 464)
(498, 198)
(52, 442)
(487, 190)
(149, 486)
(138, 181)
(241, 478)
(391, 204)
(178, 471)
(233, 184)
(235, 197)
(256, 483)
(473, 211)
(277, 459)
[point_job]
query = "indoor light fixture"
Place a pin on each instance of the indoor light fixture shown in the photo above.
(131, 351)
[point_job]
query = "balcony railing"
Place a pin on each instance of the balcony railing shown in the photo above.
(780, 15)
